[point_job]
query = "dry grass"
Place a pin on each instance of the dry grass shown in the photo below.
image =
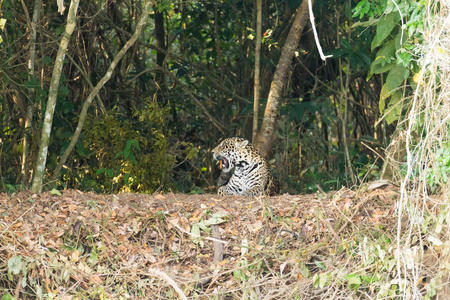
(425, 141)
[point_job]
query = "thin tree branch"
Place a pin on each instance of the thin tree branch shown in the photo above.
(257, 83)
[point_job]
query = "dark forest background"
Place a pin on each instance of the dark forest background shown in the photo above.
(188, 82)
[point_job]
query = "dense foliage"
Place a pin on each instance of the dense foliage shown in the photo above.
(188, 82)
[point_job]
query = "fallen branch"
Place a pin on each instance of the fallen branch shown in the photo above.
(163, 275)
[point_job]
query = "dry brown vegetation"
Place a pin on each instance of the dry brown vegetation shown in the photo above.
(83, 245)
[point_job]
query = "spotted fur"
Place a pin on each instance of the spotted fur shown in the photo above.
(251, 176)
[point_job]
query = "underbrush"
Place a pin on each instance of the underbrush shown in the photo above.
(121, 155)
(326, 246)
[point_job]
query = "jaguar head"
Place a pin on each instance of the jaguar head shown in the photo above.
(228, 152)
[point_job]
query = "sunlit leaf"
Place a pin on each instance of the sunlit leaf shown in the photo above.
(55, 192)
(354, 281)
(15, 264)
(195, 233)
(2, 23)
(8, 297)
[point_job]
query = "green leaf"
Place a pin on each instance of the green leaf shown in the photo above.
(384, 59)
(15, 264)
(195, 233)
(64, 91)
(322, 280)
(304, 270)
(444, 177)
(220, 214)
(133, 159)
(48, 60)
(100, 171)
(136, 144)
(126, 151)
(60, 30)
(8, 297)
(126, 179)
(384, 28)
(377, 67)
(110, 173)
(361, 8)
(369, 278)
(346, 44)
(394, 79)
(93, 257)
(395, 109)
(55, 192)
(319, 264)
(370, 22)
(354, 281)
(119, 154)
(213, 221)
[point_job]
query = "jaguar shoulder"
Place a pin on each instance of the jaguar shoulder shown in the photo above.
(251, 176)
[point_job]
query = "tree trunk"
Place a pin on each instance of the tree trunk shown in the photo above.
(52, 95)
(343, 110)
(160, 37)
(31, 95)
(266, 135)
(257, 83)
(100, 84)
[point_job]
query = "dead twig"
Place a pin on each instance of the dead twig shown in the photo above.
(335, 235)
(218, 256)
(355, 211)
(163, 275)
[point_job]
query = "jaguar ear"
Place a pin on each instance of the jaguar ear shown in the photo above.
(241, 144)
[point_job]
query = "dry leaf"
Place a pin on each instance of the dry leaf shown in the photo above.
(96, 279)
(17, 225)
(75, 256)
(159, 197)
(122, 238)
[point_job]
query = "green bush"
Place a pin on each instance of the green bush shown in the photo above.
(122, 154)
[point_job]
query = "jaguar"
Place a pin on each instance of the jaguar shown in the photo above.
(251, 175)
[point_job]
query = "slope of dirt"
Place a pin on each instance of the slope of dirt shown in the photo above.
(82, 245)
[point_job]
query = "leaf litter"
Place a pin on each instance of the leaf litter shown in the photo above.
(75, 245)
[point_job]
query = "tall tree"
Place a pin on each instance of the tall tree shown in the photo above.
(52, 95)
(343, 110)
(266, 135)
(31, 90)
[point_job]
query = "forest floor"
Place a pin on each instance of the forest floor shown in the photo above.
(74, 245)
